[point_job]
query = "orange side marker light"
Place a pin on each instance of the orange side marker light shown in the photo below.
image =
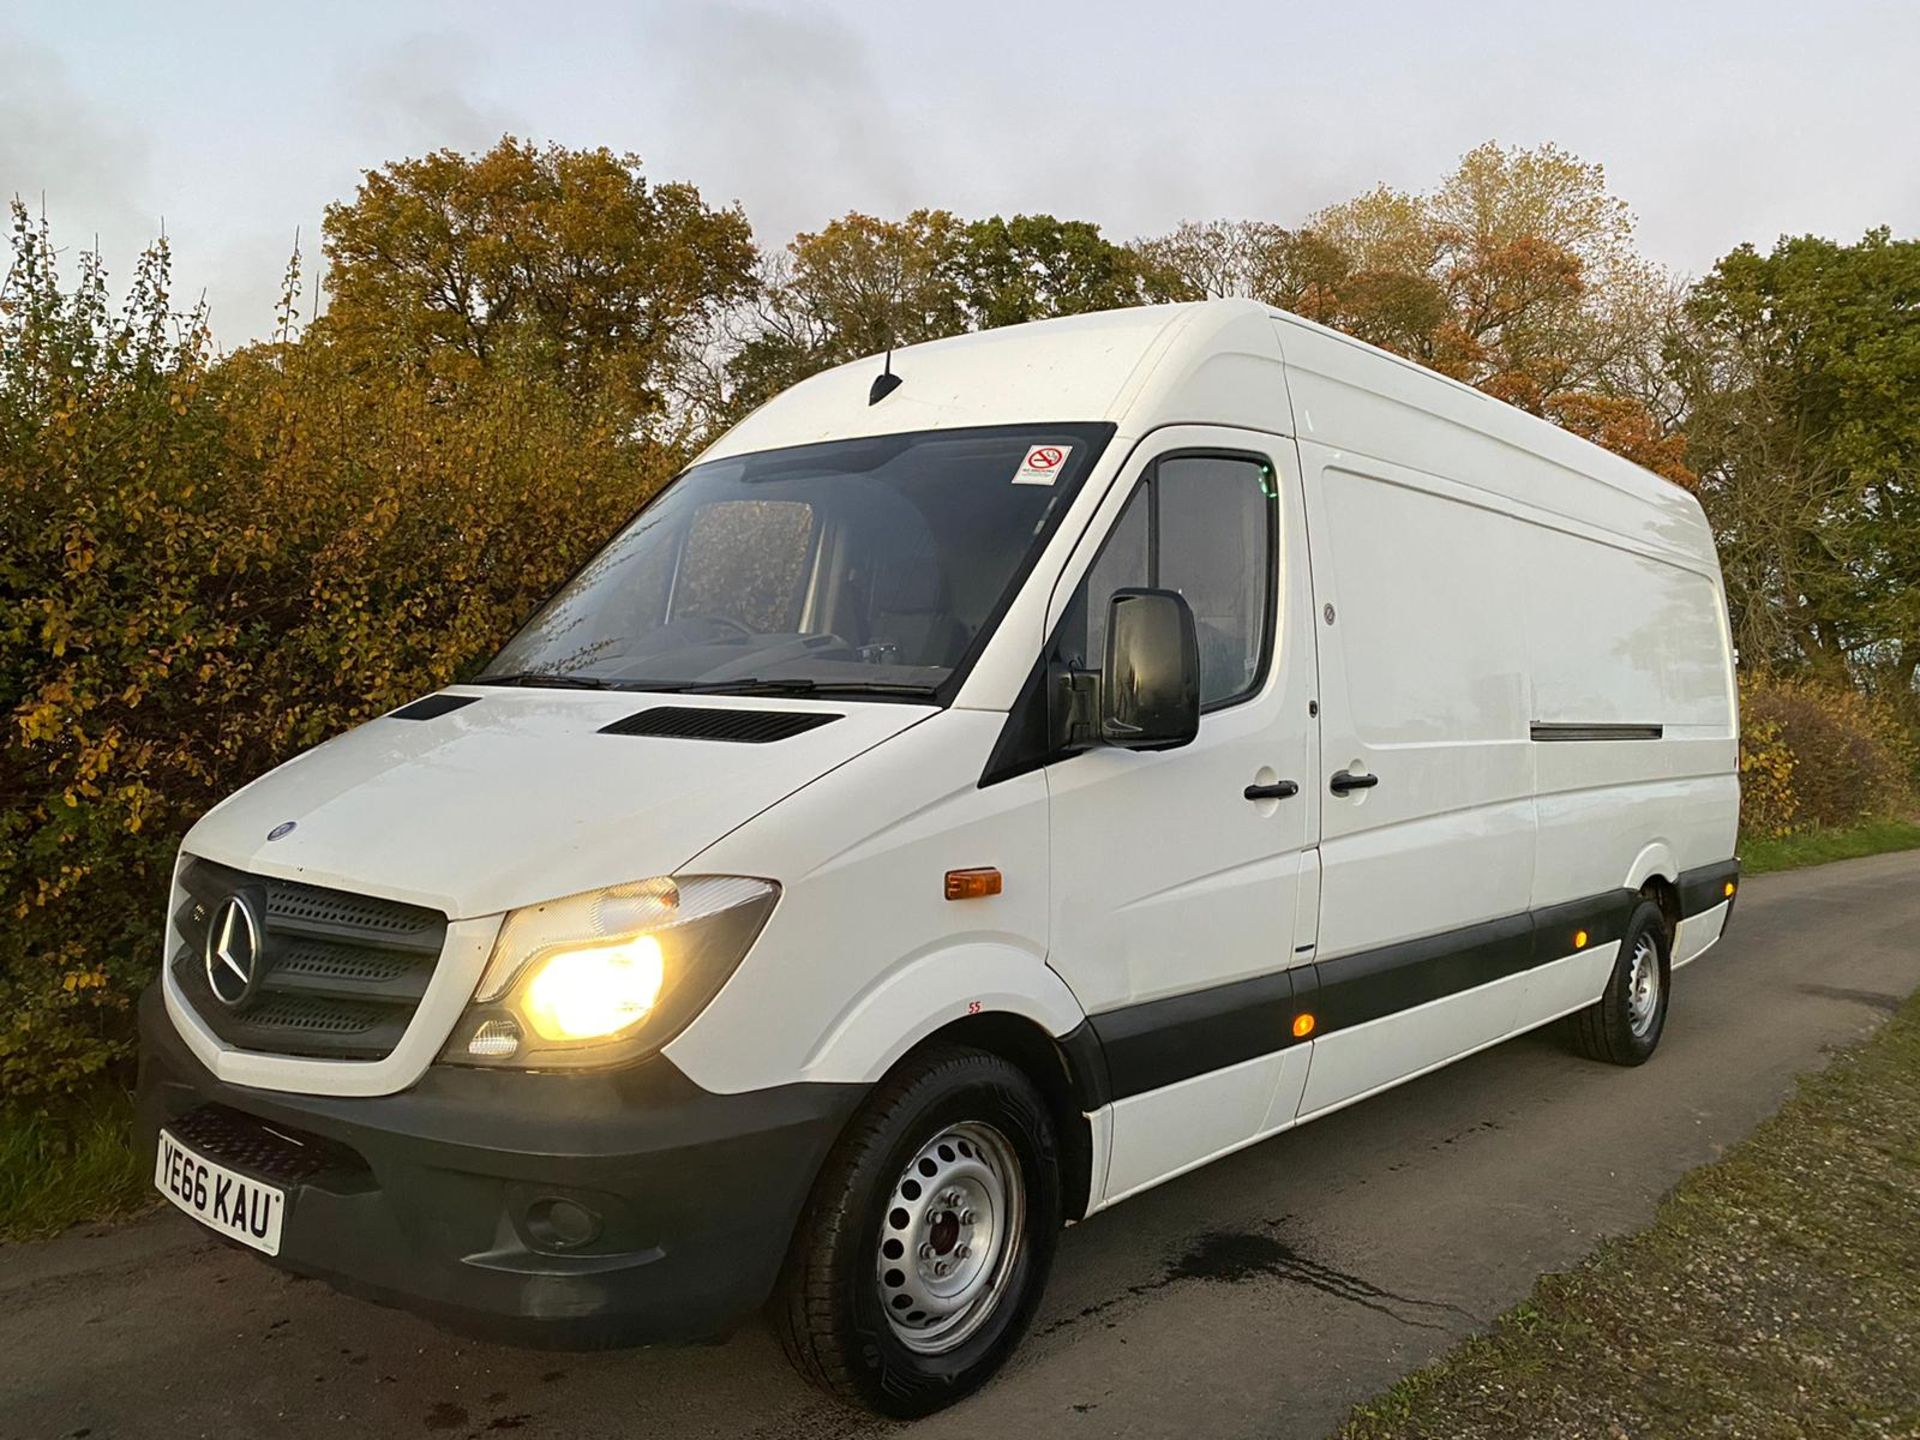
(1579, 939)
(1302, 1026)
(974, 884)
(1729, 889)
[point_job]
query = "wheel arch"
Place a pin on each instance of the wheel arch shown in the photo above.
(996, 998)
(1655, 860)
(1069, 1071)
(1656, 874)
(1666, 894)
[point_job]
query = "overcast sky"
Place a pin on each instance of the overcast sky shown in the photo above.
(235, 123)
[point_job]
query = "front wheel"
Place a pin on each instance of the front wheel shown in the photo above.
(925, 1246)
(1623, 1027)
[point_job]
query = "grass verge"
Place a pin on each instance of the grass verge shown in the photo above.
(75, 1163)
(1776, 1294)
(1816, 848)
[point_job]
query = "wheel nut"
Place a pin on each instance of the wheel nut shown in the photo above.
(966, 1217)
(941, 1268)
(926, 1252)
(962, 1252)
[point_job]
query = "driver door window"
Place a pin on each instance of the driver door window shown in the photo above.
(1203, 525)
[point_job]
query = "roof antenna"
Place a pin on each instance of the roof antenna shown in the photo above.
(886, 382)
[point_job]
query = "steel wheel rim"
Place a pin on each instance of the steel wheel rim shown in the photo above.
(1643, 987)
(949, 1237)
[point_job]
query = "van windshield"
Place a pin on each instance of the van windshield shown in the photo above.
(875, 566)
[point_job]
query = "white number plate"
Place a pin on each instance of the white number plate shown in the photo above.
(242, 1209)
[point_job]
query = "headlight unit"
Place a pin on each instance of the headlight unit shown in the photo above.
(609, 975)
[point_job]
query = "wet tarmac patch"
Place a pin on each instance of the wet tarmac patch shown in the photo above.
(1239, 1257)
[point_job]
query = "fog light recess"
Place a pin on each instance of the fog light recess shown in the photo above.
(561, 1224)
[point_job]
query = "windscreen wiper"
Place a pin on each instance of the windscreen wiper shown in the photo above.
(555, 682)
(754, 685)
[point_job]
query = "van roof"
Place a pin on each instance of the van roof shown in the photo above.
(1077, 368)
(1220, 362)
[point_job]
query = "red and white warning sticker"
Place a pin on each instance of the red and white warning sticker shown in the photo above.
(1042, 465)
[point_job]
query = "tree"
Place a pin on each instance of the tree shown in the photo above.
(1035, 267)
(861, 285)
(210, 562)
(1798, 368)
(1298, 270)
(1517, 274)
(858, 285)
(566, 261)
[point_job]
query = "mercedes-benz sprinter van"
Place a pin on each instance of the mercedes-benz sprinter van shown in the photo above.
(986, 785)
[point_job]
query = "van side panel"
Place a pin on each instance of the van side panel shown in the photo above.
(1366, 402)
(1623, 613)
(1423, 684)
(1524, 640)
(1634, 712)
(1369, 1058)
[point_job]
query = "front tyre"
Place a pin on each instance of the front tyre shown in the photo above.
(925, 1246)
(1623, 1027)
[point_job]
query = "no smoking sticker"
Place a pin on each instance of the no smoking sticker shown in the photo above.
(1042, 465)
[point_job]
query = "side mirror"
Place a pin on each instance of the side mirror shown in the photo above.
(1150, 683)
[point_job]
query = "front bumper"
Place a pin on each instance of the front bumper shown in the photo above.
(452, 1198)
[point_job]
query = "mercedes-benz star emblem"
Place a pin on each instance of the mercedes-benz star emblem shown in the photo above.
(233, 952)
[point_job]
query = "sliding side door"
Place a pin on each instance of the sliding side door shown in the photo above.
(1426, 779)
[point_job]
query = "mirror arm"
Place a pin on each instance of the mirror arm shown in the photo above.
(1080, 707)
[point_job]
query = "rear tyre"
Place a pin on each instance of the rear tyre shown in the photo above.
(1624, 1026)
(926, 1243)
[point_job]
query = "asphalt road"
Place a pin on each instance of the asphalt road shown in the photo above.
(1260, 1296)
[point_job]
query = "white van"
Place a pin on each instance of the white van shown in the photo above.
(978, 790)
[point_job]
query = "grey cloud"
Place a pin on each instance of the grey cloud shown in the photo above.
(772, 104)
(417, 95)
(55, 143)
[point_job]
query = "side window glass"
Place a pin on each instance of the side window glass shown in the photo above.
(1124, 562)
(1214, 544)
(1203, 525)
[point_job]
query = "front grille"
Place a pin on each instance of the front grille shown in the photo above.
(338, 976)
(255, 1148)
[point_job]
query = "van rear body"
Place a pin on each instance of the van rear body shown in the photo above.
(945, 813)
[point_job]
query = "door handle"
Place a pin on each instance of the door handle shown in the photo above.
(1346, 780)
(1278, 790)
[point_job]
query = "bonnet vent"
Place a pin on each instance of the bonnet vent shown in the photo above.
(432, 707)
(747, 727)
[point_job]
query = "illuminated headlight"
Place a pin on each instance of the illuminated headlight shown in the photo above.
(608, 975)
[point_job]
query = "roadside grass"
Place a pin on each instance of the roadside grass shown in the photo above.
(1818, 847)
(1776, 1294)
(65, 1166)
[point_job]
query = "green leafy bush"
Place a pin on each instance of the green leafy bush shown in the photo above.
(1817, 756)
(208, 564)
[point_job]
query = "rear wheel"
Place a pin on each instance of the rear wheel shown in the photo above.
(923, 1251)
(1624, 1026)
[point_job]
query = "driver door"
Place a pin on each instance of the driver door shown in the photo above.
(1183, 879)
